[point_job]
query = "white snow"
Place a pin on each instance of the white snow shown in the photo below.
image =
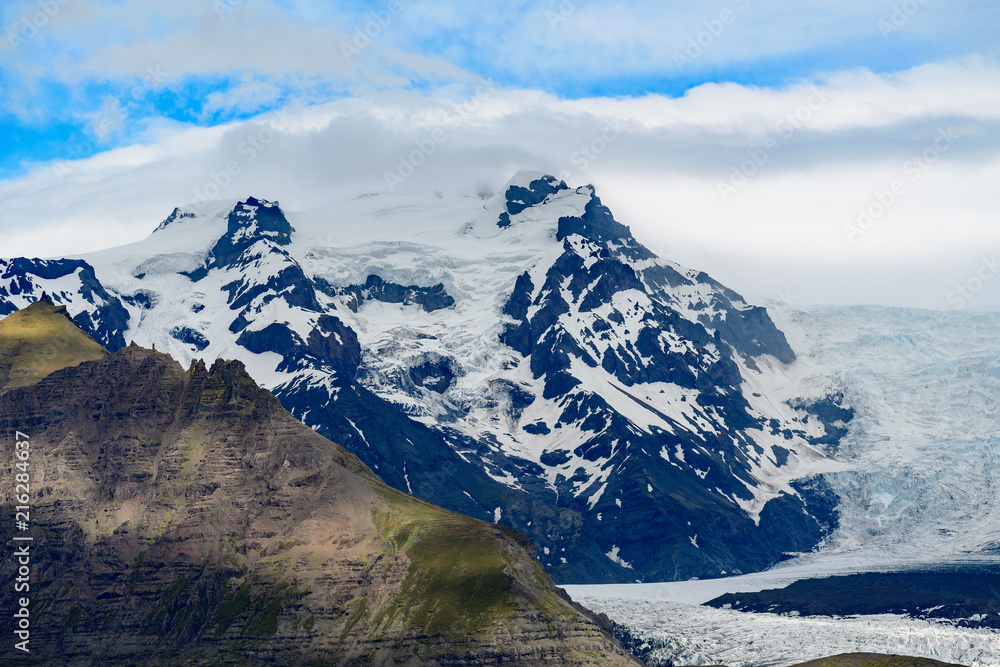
(613, 555)
(406, 476)
(695, 635)
(923, 446)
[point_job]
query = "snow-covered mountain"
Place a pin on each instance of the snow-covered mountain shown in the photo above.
(522, 359)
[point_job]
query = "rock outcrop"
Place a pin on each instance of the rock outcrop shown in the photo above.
(184, 517)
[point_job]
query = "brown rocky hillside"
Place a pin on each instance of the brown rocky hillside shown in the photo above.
(183, 517)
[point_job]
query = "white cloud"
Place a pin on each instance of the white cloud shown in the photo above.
(656, 161)
(250, 94)
(610, 39)
(262, 47)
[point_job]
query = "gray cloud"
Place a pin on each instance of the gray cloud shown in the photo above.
(658, 162)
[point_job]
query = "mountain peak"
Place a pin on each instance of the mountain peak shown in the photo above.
(39, 340)
(253, 202)
(175, 215)
(527, 189)
(251, 221)
(261, 217)
(525, 177)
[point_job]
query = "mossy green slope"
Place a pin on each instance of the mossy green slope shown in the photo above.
(184, 517)
(39, 340)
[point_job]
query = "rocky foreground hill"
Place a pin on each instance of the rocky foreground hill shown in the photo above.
(184, 517)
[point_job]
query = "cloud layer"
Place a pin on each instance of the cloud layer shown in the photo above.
(816, 152)
(784, 193)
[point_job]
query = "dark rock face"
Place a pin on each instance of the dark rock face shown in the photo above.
(597, 224)
(519, 198)
(967, 596)
(331, 345)
(428, 298)
(191, 337)
(193, 521)
(336, 345)
(435, 375)
(143, 299)
(275, 337)
(106, 319)
(831, 413)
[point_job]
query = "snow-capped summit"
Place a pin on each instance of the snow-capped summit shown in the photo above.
(524, 360)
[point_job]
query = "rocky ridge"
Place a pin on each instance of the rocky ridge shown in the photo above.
(184, 517)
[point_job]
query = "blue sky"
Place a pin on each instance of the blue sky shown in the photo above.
(59, 71)
(114, 110)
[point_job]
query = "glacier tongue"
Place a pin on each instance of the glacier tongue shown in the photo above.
(924, 446)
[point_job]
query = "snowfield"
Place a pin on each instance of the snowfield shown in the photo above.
(923, 453)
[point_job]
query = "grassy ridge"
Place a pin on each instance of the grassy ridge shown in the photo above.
(457, 580)
(40, 340)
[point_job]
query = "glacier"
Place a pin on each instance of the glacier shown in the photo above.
(924, 445)
(919, 490)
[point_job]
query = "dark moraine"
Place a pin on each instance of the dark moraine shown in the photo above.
(967, 595)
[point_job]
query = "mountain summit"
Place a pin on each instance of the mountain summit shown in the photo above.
(39, 340)
(523, 360)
